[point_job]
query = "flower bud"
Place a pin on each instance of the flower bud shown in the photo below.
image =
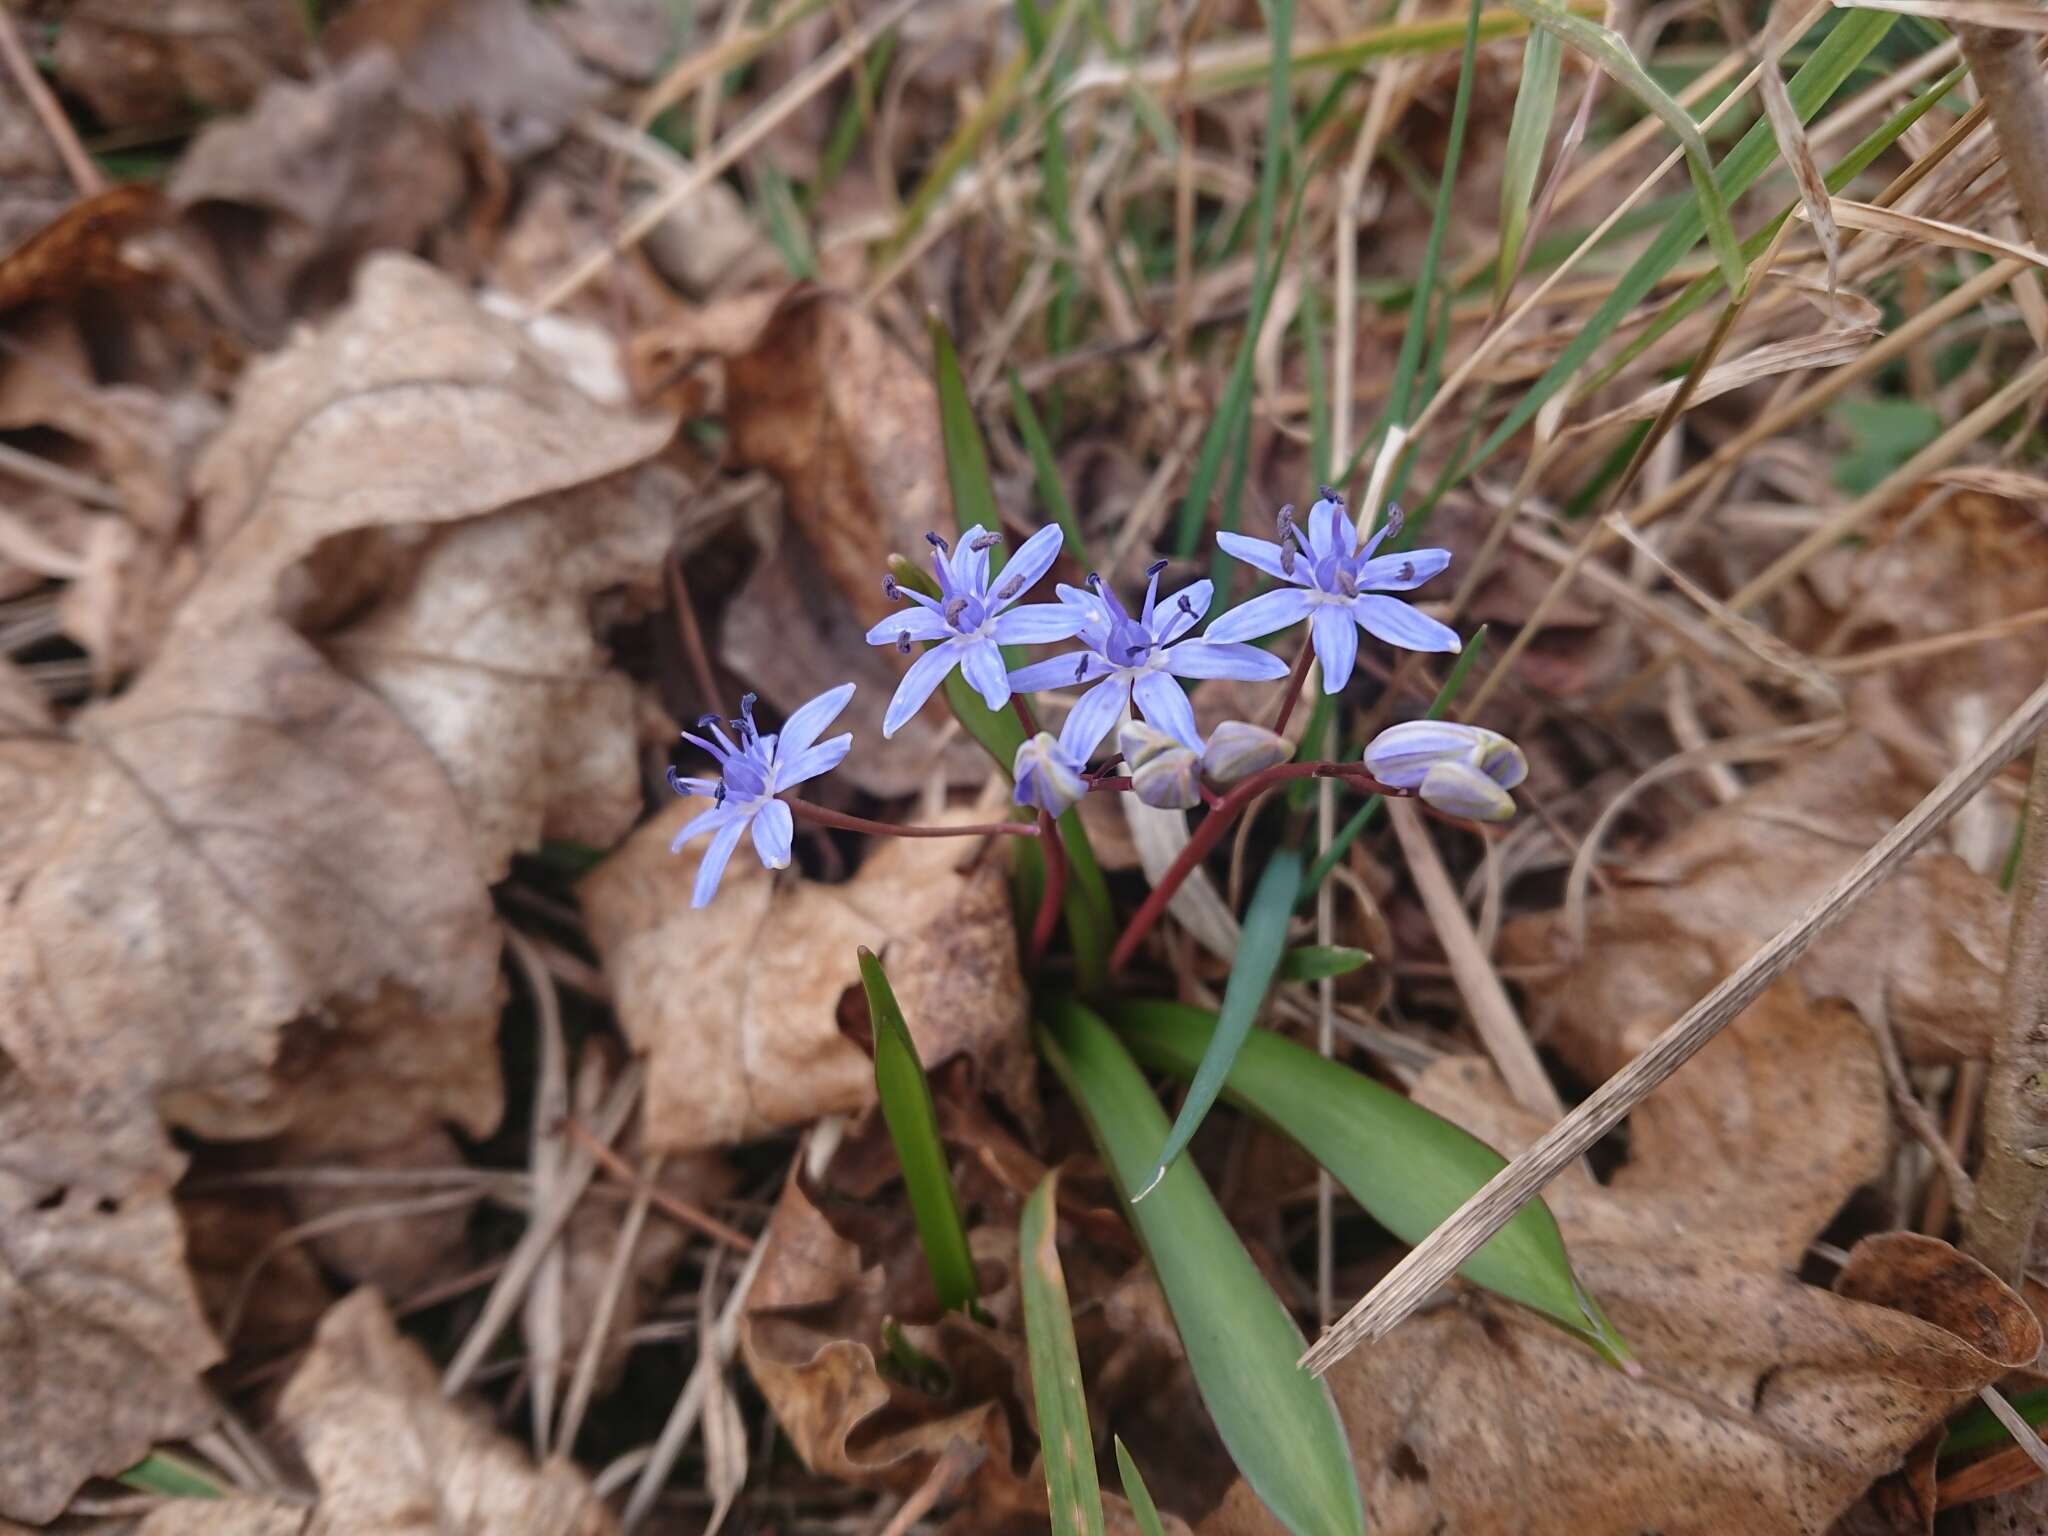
(1238, 749)
(1140, 743)
(1047, 776)
(1462, 770)
(1164, 772)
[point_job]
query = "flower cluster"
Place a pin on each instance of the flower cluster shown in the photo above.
(1129, 666)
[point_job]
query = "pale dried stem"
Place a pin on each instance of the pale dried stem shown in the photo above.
(2013, 1177)
(616, 1276)
(2007, 70)
(2021, 1431)
(77, 163)
(1417, 1277)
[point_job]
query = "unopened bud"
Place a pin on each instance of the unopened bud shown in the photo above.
(1047, 776)
(1462, 770)
(1165, 772)
(1238, 749)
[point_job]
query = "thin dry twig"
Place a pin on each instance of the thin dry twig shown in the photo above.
(77, 163)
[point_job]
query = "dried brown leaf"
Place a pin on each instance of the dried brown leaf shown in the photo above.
(367, 1235)
(228, 1232)
(247, 900)
(391, 1455)
(101, 1336)
(84, 247)
(148, 66)
(225, 1517)
(736, 1005)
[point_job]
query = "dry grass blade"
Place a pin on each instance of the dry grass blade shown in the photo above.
(1968, 13)
(1417, 1277)
(1907, 226)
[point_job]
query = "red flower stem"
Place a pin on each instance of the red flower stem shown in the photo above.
(1210, 833)
(1024, 715)
(1294, 681)
(803, 810)
(1055, 892)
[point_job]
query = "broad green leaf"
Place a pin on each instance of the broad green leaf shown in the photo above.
(174, 1477)
(1314, 962)
(1044, 472)
(1885, 434)
(1143, 1510)
(1251, 978)
(913, 1123)
(1066, 1443)
(1409, 1168)
(1362, 818)
(1528, 135)
(1278, 1423)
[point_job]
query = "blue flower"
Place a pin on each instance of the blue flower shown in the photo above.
(969, 621)
(1336, 586)
(1136, 660)
(751, 775)
(1462, 770)
(1047, 776)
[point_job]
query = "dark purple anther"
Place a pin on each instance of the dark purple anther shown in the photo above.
(938, 543)
(985, 541)
(890, 590)
(903, 641)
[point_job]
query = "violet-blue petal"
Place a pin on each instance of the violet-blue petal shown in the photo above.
(1460, 789)
(1047, 776)
(1169, 620)
(713, 867)
(1033, 559)
(808, 723)
(1094, 716)
(1336, 641)
(1164, 704)
(1401, 754)
(925, 674)
(1391, 620)
(684, 785)
(1265, 614)
(1211, 658)
(1403, 572)
(970, 565)
(703, 821)
(773, 829)
(918, 623)
(1059, 672)
(981, 663)
(1038, 624)
(808, 764)
(1262, 555)
(1329, 529)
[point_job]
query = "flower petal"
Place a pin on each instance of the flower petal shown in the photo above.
(982, 666)
(970, 565)
(1165, 706)
(1094, 716)
(925, 674)
(1403, 572)
(1065, 671)
(1168, 620)
(808, 764)
(1260, 555)
(1401, 754)
(1033, 559)
(1264, 614)
(1329, 529)
(1210, 658)
(1391, 620)
(1336, 641)
(1038, 624)
(804, 727)
(918, 623)
(703, 821)
(773, 827)
(1459, 789)
(713, 867)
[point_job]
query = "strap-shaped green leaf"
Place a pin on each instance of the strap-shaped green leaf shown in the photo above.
(1066, 1443)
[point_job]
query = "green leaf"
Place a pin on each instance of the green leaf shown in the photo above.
(1528, 133)
(1978, 1429)
(913, 1124)
(1066, 1443)
(1143, 1510)
(172, 1476)
(1314, 962)
(1278, 1423)
(1886, 433)
(967, 476)
(1251, 978)
(786, 224)
(1043, 471)
(1409, 1169)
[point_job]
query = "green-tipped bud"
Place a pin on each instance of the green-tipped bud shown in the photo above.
(1238, 749)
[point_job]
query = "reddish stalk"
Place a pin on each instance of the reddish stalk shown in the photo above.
(1055, 892)
(1210, 833)
(803, 810)
(1294, 682)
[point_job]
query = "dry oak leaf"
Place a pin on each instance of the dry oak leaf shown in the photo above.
(101, 1335)
(1928, 946)
(249, 901)
(411, 406)
(736, 1004)
(390, 1455)
(484, 648)
(1764, 1405)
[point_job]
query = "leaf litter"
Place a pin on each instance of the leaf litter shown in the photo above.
(352, 592)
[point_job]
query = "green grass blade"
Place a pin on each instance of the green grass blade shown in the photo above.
(1044, 472)
(913, 1124)
(1528, 136)
(1251, 978)
(1066, 1443)
(1278, 1423)
(1143, 1510)
(1316, 962)
(173, 1477)
(1313, 324)
(1409, 1168)
(967, 476)
(1978, 1429)
(786, 225)
(1362, 818)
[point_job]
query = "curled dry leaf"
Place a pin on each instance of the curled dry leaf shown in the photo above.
(1928, 945)
(86, 246)
(1764, 1405)
(390, 1454)
(246, 899)
(101, 1335)
(736, 1005)
(144, 67)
